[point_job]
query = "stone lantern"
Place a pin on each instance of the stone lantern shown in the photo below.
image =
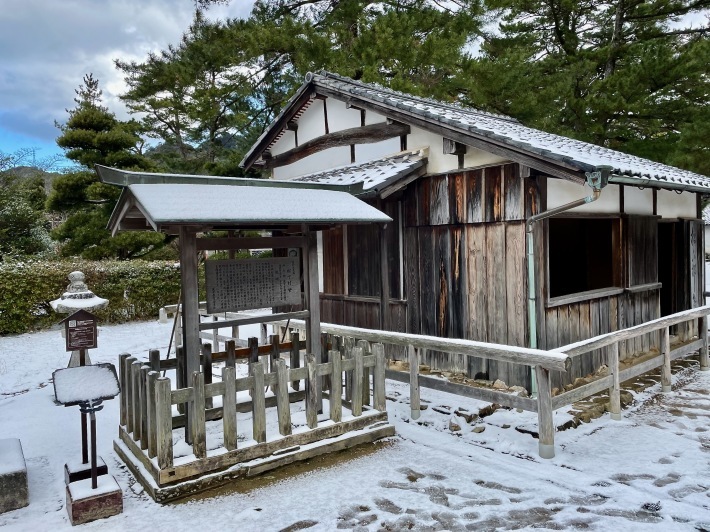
(77, 297)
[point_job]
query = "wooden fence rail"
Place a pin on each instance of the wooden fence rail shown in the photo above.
(543, 362)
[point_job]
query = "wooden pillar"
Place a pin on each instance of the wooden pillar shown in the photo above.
(190, 308)
(615, 390)
(666, 379)
(313, 305)
(385, 280)
(414, 405)
(546, 425)
(704, 357)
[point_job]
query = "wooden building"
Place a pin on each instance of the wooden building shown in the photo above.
(474, 250)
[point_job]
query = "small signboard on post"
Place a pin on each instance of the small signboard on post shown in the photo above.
(80, 331)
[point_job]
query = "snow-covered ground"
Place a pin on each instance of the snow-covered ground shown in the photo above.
(650, 471)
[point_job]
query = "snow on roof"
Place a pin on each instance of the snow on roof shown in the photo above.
(706, 215)
(372, 174)
(222, 205)
(499, 130)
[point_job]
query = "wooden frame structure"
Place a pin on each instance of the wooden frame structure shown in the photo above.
(292, 215)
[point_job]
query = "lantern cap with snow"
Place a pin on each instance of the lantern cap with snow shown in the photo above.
(77, 297)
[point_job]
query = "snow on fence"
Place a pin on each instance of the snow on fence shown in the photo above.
(149, 421)
(543, 362)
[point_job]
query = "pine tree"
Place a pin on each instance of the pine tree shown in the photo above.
(92, 135)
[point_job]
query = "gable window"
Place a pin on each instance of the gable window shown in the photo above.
(584, 255)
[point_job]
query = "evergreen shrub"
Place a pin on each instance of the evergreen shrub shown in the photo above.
(135, 289)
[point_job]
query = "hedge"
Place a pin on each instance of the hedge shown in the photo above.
(135, 290)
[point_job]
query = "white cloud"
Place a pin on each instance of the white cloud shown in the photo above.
(47, 47)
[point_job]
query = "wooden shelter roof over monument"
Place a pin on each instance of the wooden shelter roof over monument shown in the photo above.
(166, 207)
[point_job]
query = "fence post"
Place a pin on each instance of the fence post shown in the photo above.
(231, 354)
(151, 420)
(666, 368)
(336, 386)
(378, 377)
(145, 369)
(347, 351)
(136, 386)
(180, 374)
(215, 335)
(154, 357)
(295, 357)
(229, 404)
(546, 426)
(356, 403)
(258, 403)
(312, 392)
(365, 345)
(704, 355)
(129, 392)
(283, 406)
(164, 423)
(207, 369)
(615, 390)
(199, 443)
(122, 380)
(415, 409)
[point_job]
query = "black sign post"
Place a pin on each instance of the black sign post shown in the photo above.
(81, 332)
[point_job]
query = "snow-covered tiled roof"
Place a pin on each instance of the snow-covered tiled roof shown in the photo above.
(706, 215)
(374, 175)
(493, 130)
(169, 205)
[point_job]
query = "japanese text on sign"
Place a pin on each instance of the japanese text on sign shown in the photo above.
(245, 284)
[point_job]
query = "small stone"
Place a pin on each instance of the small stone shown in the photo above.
(505, 426)
(453, 426)
(478, 429)
(555, 391)
(580, 381)
(519, 390)
(603, 371)
(499, 385)
(424, 367)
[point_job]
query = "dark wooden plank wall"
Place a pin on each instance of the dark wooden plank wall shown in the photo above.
(333, 262)
(465, 263)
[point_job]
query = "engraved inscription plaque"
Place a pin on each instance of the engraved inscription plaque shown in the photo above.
(245, 284)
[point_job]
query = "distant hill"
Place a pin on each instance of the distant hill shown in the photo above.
(28, 172)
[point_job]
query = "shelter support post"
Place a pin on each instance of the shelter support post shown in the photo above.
(704, 356)
(310, 277)
(190, 309)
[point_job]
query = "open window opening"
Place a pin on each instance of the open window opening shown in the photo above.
(583, 255)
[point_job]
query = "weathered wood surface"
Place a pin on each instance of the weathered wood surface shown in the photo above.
(229, 408)
(379, 398)
(518, 355)
(164, 427)
(414, 405)
(283, 404)
(345, 137)
(336, 391)
(312, 405)
(197, 411)
(258, 406)
(545, 423)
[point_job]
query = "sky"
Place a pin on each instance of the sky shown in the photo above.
(47, 46)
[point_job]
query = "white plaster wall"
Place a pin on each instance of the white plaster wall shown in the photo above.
(376, 150)
(322, 160)
(340, 117)
(285, 143)
(319, 239)
(374, 118)
(672, 205)
(560, 192)
(637, 201)
(475, 157)
(438, 161)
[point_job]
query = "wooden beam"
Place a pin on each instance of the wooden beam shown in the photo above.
(271, 242)
(345, 137)
(451, 147)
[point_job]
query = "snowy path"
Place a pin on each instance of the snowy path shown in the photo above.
(650, 471)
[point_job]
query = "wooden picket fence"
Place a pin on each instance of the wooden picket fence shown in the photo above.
(148, 417)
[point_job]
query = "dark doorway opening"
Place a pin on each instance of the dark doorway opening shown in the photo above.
(667, 274)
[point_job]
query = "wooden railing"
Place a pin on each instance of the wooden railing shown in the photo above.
(542, 362)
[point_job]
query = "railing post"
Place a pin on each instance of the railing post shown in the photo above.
(145, 369)
(164, 423)
(365, 345)
(230, 347)
(258, 403)
(151, 421)
(136, 387)
(283, 406)
(378, 377)
(666, 368)
(615, 390)
(122, 379)
(356, 402)
(128, 392)
(229, 405)
(312, 392)
(295, 357)
(207, 369)
(154, 357)
(199, 436)
(546, 426)
(336, 386)
(704, 355)
(415, 409)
